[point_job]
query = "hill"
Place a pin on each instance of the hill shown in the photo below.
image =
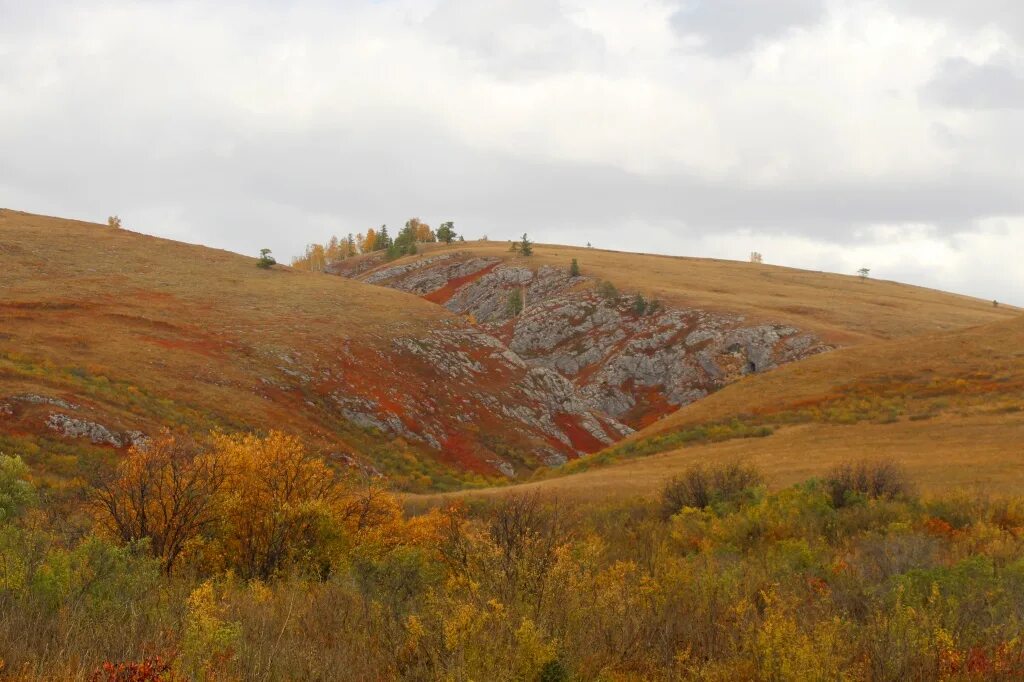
(107, 335)
(914, 371)
(431, 379)
(949, 406)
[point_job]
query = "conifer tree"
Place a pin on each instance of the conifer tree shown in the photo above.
(525, 246)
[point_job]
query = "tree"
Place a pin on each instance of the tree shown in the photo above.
(114, 222)
(277, 505)
(315, 259)
(333, 250)
(265, 260)
(383, 241)
(756, 257)
(446, 232)
(515, 302)
(574, 268)
(369, 242)
(423, 231)
(165, 491)
(864, 272)
(525, 246)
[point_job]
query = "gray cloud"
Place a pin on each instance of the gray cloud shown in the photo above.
(278, 126)
(516, 37)
(731, 26)
(962, 84)
(1000, 15)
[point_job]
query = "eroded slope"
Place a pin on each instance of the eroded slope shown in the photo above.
(630, 360)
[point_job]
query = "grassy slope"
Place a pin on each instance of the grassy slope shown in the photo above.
(147, 331)
(950, 406)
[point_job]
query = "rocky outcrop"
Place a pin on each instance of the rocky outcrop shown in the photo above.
(71, 427)
(608, 364)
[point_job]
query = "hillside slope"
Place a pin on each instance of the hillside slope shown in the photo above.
(715, 324)
(108, 335)
(949, 406)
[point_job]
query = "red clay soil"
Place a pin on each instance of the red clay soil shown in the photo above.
(444, 294)
(580, 437)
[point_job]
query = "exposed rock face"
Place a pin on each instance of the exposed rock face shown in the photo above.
(70, 427)
(581, 369)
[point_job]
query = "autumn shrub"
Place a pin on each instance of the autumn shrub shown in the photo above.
(330, 578)
(868, 479)
(165, 490)
(699, 486)
(16, 493)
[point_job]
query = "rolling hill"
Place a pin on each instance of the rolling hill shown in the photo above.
(927, 378)
(418, 369)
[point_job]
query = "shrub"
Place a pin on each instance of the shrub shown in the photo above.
(114, 222)
(265, 260)
(868, 479)
(608, 291)
(639, 305)
(574, 268)
(16, 493)
(700, 487)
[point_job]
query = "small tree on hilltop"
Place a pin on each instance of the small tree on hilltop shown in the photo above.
(446, 233)
(515, 302)
(525, 246)
(574, 268)
(114, 222)
(864, 272)
(265, 260)
(756, 257)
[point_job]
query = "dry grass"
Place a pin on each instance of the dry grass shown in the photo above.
(147, 331)
(941, 455)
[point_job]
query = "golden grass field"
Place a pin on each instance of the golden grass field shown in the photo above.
(182, 320)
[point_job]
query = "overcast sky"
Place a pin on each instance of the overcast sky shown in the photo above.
(829, 135)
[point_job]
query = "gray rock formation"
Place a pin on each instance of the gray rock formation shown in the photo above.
(579, 366)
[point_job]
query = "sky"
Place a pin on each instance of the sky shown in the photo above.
(825, 134)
